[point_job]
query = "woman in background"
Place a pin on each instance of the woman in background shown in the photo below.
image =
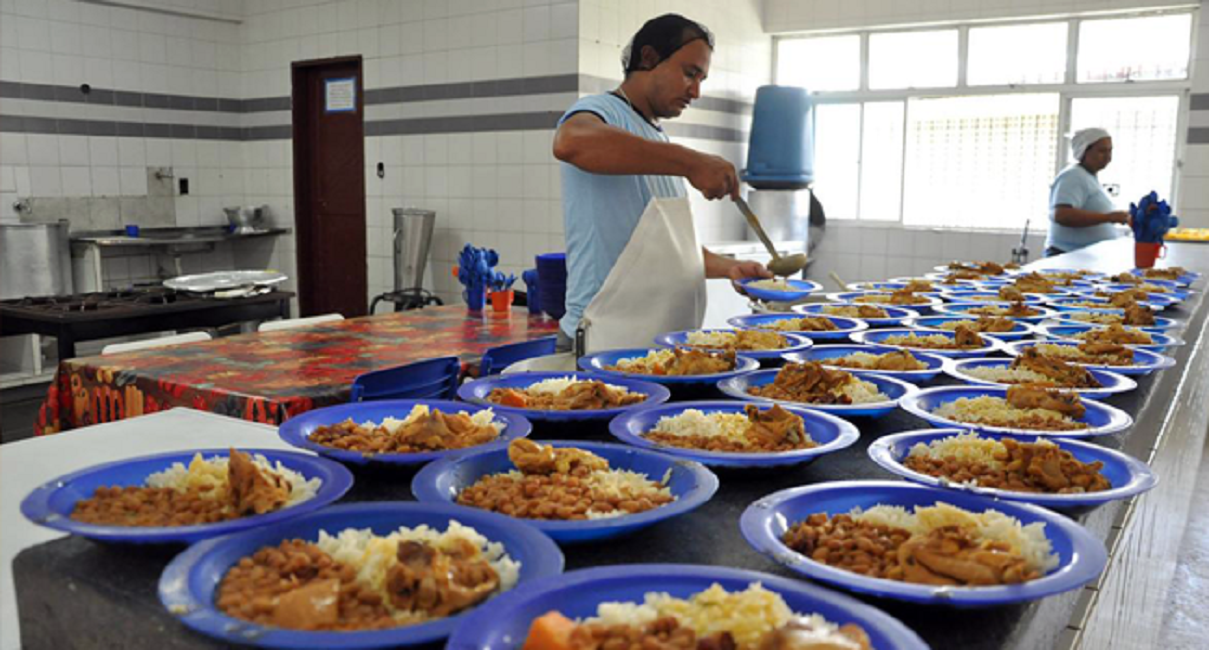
(1080, 211)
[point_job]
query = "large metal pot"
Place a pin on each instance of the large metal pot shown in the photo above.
(35, 259)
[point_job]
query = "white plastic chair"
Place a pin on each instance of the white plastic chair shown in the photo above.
(294, 323)
(162, 342)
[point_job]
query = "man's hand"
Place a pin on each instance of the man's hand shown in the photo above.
(714, 177)
(744, 269)
(1119, 217)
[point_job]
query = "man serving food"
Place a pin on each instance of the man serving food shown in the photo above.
(634, 267)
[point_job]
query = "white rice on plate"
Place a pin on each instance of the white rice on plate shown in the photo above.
(863, 392)
(1029, 541)
(646, 365)
(703, 339)
(991, 409)
(373, 555)
(748, 615)
(968, 447)
(928, 341)
(1006, 375)
(211, 474)
(695, 422)
(485, 417)
(556, 385)
(773, 284)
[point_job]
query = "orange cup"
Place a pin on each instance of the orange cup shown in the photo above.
(501, 301)
(1145, 253)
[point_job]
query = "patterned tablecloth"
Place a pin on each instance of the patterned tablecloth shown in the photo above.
(271, 376)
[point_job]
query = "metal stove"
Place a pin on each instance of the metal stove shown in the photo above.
(139, 310)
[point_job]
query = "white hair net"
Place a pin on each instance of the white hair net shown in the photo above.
(1084, 138)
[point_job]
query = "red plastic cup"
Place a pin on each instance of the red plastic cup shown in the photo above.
(1145, 253)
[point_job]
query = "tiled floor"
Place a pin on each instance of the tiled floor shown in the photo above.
(1186, 625)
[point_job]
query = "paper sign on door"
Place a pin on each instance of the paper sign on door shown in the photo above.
(340, 95)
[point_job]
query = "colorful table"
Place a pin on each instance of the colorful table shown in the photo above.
(271, 376)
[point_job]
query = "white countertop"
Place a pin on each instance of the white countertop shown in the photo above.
(27, 464)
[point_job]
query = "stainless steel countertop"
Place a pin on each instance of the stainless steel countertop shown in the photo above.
(169, 236)
(1124, 608)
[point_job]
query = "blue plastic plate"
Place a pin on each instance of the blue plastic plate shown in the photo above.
(829, 432)
(1070, 332)
(189, 584)
(1084, 273)
(1079, 303)
(878, 337)
(1155, 300)
(503, 624)
(801, 289)
(1161, 323)
(1112, 382)
(934, 300)
(1081, 557)
(795, 342)
(845, 326)
(1187, 279)
(1174, 293)
(297, 430)
(477, 391)
(1144, 361)
(1128, 476)
(822, 353)
(987, 296)
(1101, 418)
(963, 309)
(932, 323)
(1059, 290)
(597, 363)
(902, 282)
(894, 389)
(691, 483)
(52, 503)
(896, 315)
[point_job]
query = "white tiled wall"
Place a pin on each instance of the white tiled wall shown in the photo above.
(497, 189)
(1193, 204)
(67, 42)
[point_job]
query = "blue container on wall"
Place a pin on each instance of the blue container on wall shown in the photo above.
(780, 155)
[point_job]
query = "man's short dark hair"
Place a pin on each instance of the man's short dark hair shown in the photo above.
(665, 35)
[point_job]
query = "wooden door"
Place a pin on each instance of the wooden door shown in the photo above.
(329, 186)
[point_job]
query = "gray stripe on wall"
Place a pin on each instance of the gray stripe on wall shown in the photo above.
(1198, 135)
(533, 121)
(425, 125)
(1199, 102)
(549, 84)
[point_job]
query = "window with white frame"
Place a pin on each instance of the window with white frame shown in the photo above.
(931, 139)
(1143, 133)
(925, 59)
(821, 64)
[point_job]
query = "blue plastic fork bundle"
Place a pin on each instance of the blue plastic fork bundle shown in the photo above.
(1151, 219)
(476, 272)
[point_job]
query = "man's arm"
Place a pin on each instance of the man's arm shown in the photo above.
(584, 140)
(1072, 217)
(717, 266)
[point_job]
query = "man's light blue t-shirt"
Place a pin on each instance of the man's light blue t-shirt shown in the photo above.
(1078, 188)
(601, 211)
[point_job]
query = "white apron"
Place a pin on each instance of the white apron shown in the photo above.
(656, 286)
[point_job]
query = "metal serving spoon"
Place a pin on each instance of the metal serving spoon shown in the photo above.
(782, 266)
